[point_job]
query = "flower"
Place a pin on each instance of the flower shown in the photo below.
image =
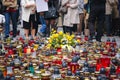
(60, 33)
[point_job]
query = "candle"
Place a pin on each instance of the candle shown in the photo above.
(28, 51)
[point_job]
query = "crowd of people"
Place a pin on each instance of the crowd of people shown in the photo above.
(91, 17)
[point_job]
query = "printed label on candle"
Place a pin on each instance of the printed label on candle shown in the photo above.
(73, 68)
(28, 50)
(34, 54)
(9, 70)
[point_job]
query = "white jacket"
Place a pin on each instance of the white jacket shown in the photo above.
(26, 11)
(72, 16)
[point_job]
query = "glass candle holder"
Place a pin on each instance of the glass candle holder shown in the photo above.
(67, 77)
(113, 77)
(45, 76)
(38, 73)
(73, 78)
(18, 77)
(36, 78)
(58, 79)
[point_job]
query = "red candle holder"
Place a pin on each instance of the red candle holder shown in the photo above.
(31, 42)
(6, 47)
(86, 38)
(105, 61)
(74, 67)
(118, 70)
(25, 49)
(10, 52)
(98, 66)
(58, 49)
(108, 43)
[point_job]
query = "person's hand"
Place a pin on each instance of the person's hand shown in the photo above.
(46, 0)
(10, 4)
(30, 5)
(68, 5)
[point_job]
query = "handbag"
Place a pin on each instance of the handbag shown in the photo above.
(63, 9)
(51, 13)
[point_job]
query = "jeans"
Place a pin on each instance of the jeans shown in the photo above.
(12, 16)
(43, 23)
(108, 21)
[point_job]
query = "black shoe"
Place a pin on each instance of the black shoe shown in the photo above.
(6, 36)
(91, 37)
(14, 36)
(98, 38)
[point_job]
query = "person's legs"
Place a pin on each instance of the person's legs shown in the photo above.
(74, 28)
(43, 28)
(14, 22)
(7, 24)
(69, 30)
(33, 33)
(79, 27)
(26, 33)
(26, 26)
(91, 22)
(53, 25)
(47, 28)
(32, 30)
(108, 21)
(100, 24)
(33, 26)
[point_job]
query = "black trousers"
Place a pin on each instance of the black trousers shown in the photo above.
(96, 21)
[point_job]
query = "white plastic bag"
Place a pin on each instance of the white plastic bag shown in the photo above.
(2, 19)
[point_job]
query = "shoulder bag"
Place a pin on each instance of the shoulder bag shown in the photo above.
(52, 13)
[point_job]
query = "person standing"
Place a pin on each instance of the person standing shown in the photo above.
(10, 12)
(119, 7)
(86, 17)
(72, 16)
(108, 17)
(42, 7)
(115, 17)
(97, 14)
(51, 22)
(81, 16)
(29, 17)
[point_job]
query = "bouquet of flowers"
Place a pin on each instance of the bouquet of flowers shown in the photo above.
(59, 39)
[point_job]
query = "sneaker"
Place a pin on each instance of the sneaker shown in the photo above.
(41, 34)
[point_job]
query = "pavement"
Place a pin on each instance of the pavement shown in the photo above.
(104, 38)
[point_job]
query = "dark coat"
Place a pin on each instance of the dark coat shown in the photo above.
(97, 3)
(54, 3)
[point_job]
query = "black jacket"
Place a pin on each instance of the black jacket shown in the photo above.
(1, 7)
(97, 3)
(54, 3)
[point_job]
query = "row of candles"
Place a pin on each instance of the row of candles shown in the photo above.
(102, 62)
